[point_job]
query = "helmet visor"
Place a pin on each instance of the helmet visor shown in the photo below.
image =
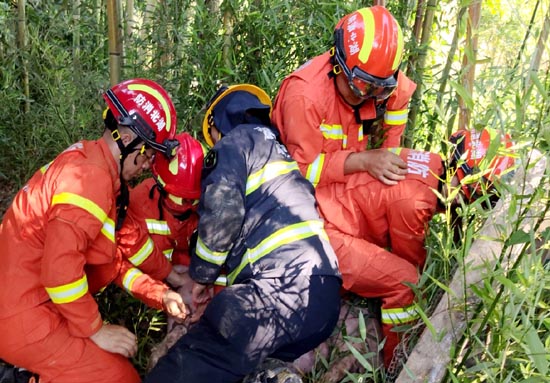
(366, 86)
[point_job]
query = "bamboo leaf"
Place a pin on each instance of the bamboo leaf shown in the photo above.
(360, 358)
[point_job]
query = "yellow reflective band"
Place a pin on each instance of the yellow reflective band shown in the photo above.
(396, 150)
(399, 315)
(143, 253)
(44, 168)
(368, 37)
(221, 280)
(158, 96)
(91, 207)
(315, 169)
(108, 229)
(210, 256)
(399, 49)
(268, 173)
(130, 277)
(396, 117)
(168, 254)
(333, 132)
(284, 236)
(161, 181)
(69, 292)
(173, 166)
(360, 135)
(155, 226)
(176, 200)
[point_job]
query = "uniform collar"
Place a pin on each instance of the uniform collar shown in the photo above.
(112, 164)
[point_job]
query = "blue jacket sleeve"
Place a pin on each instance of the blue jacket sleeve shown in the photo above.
(221, 206)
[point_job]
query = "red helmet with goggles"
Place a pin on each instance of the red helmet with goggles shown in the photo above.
(146, 108)
(180, 177)
(480, 158)
(368, 48)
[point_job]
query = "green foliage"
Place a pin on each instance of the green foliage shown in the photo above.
(193, 47)
(117, 307)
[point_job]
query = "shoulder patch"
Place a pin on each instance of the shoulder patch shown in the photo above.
(210, 160)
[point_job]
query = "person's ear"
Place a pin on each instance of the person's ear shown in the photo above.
(126, 138)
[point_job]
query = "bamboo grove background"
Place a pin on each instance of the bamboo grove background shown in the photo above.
(477, 63)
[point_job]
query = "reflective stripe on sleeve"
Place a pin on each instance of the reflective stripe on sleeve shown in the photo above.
(396, 117)
(210, 256)
(315, 169)
(168, 254)
(143, 253)
(155, 226)
(108, 229)
(279, 238)
(334, 132)
(221, 280)
(130, 277)
(69, 292)
(267, 173)
(399, 315)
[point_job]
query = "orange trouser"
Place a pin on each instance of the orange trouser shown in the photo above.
(38, 340)
(372, 272)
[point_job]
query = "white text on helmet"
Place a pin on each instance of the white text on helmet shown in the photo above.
(150, 109)
(354, 46)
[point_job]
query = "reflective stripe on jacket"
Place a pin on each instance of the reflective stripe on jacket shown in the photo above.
(320, 129)
(57, 239)
(258, 214)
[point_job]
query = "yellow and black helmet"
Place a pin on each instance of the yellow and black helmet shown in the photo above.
(231, 106)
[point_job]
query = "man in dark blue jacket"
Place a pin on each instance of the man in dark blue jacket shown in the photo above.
(259, 225)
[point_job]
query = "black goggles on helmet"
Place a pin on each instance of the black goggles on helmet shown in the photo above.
(140, 127)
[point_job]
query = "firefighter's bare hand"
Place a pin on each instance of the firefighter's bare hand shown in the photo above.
(201, 293)
(177, 278)
(116, 339)
(385, 166)
(174, 306)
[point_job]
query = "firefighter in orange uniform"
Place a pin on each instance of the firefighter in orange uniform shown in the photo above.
(351, 98)
(162, 214)
(57, 247)
(365, 218)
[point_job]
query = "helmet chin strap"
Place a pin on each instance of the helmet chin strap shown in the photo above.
(123, 199)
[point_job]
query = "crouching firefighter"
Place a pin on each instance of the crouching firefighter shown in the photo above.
(259, 223)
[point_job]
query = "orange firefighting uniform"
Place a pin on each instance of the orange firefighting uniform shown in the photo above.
(57, 248)
(149, 242)
(378, 232)
(320, 129)
(152, 244)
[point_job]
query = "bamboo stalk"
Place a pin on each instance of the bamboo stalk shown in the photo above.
(227, 37)
(420, 66)
(115, 50)
(537, 55)
(447, 68)
(469, 63)
(22, 47)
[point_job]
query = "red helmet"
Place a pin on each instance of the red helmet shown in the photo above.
(368, 48)
(481, 158)
(180, 177)
(146, 108)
